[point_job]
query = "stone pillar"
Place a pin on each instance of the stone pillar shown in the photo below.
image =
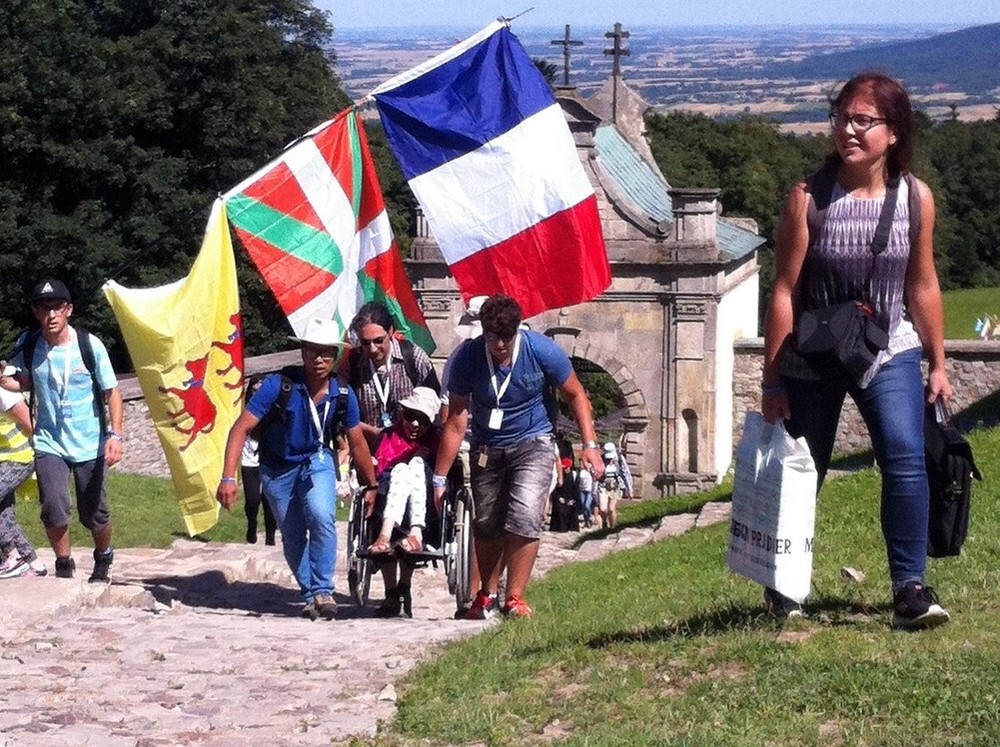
(695, 219)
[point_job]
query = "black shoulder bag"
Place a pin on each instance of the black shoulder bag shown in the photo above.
(845, 338)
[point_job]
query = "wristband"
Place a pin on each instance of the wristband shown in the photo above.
(776, 389)
(439, 481)
(227, 479)
(366, 488)
(591, 445)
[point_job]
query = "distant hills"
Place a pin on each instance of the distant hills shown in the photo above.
(966, 60)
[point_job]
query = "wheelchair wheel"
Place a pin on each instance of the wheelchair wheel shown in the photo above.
(359, 569)
(462, 587)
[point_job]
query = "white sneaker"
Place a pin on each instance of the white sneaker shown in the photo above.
(12, 559)
(18, 568)
(37, 568)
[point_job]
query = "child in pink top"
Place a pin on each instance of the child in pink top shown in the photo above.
(405, 455)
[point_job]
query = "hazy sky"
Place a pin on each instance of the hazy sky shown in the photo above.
(556, 13)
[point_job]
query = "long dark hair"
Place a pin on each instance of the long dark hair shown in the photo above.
(893, 103)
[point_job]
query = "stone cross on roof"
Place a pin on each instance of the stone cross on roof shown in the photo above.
(617, 52)
(566, 43)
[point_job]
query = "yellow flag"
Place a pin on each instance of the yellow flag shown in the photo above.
(186, 343)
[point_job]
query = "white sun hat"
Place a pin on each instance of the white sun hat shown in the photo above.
(423, 400)
(323, 333)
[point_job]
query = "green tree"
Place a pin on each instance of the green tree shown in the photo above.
(121, 120)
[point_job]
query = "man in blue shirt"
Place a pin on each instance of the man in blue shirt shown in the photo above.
(70, 401)
(298, 466)
(501, 380)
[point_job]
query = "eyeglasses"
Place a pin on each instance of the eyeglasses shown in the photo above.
(60, 307)
(375, 341)
(858, 122)
(494, 339)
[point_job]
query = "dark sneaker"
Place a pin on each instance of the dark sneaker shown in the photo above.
(65, 567)
(916, 607)
(516, 607)
(781, 606)
(326, 606)
(102, 567)
(483, 607)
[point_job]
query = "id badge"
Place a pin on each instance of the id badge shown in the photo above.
(496, 419)
(481, 462)
(386, 420)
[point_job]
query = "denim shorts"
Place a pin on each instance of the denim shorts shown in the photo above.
(509, 492)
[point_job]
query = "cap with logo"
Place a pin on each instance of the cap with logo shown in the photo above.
(51, 289)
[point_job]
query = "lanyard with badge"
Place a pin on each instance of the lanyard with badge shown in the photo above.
(62, 386)
(319, 424)
(496, 414)
(383, 391)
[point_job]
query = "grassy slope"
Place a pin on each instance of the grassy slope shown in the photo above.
(662, 645)
(963, 307)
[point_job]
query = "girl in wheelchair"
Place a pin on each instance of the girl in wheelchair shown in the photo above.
(404, 457)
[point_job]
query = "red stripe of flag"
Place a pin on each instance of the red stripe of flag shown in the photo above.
(533, 266)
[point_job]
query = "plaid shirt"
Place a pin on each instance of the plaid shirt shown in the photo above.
(400, 386)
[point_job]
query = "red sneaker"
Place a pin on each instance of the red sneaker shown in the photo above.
(483, 607)
(517, 607)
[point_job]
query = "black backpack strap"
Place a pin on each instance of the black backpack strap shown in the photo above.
(354, 362)
(83, 339)
(28, 355)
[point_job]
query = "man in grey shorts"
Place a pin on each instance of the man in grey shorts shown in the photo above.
(71, 435)
(501, 380)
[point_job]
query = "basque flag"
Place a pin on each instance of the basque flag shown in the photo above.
(489, 156)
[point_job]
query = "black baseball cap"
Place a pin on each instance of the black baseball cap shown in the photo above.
(51, 289)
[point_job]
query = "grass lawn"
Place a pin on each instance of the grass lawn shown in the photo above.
(963, 307)
(663, 646)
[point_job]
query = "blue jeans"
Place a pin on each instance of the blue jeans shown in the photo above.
(304, 502)
(586, 503)
(893, 409)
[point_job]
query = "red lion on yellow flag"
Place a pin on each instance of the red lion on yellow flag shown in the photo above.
(186, 342)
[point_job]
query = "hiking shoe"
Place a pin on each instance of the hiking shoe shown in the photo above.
(65, 567)
(516, 607)
(915, 607)
(102, 567)
(781, 606)
(309, 612)
(326, 606)
(484, 606)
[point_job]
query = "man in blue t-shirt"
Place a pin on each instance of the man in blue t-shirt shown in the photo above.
(69, 400)
(298, 466)
(501, 379)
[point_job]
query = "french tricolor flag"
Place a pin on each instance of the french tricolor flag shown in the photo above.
(489, 156)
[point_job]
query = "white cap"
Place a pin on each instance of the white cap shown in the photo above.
(469, 327)
(323, 333)
(610, 451)
(423, 400)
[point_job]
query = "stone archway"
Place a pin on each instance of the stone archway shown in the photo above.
(578, 343)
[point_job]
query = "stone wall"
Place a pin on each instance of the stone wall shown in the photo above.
(973, 369)
(973, 366)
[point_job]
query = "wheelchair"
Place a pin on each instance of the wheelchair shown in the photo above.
(447, 540)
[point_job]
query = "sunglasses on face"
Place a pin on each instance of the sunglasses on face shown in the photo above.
(373, 342)
(412, 416)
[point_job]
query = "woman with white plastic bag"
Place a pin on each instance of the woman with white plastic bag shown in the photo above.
(774, 509)
(853, 254)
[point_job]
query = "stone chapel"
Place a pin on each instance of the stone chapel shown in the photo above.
(684, 287)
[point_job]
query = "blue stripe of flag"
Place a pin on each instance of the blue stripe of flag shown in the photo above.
(463, 104)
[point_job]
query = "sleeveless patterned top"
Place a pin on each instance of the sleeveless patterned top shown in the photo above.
(837, 269)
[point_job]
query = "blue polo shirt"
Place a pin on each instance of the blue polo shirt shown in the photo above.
(289, 443)
(540, 364)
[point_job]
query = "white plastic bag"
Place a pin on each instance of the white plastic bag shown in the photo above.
(774, 509)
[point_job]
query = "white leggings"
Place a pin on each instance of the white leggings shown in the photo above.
(407, 487)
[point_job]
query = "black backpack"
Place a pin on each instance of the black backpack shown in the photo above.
(86, 352)
(278, 412)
